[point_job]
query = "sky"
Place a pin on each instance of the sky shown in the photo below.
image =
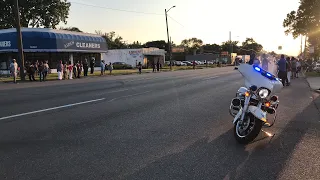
(209, 20)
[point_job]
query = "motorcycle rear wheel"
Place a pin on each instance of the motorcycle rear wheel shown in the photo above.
(256, 128)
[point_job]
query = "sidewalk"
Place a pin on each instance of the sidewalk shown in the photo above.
(314, 83)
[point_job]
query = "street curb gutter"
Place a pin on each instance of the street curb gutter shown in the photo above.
(313, 98)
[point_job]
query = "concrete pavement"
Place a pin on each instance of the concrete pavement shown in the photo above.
(172, 125)
(314, 83)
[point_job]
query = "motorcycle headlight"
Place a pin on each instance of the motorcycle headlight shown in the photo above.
(263, 93)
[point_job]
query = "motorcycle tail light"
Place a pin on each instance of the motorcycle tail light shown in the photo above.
(267, 104)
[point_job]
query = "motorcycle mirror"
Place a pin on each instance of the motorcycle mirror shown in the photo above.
(235, 68)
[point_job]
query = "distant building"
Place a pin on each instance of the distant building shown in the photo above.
(203, 57)
(147, 56)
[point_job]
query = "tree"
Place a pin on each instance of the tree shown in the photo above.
(75, 29)
(192, 44)
(305, 21)
(212, 48)
(249, 46)
(113, 40)
(161, 44)
(135, 45)
(228, 45)
(34, 13)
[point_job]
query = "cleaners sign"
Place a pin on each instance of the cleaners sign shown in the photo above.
(82, 45)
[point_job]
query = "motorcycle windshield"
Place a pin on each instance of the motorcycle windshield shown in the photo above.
(255, 75)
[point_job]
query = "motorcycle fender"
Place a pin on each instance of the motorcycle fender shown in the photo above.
(258, 113)
(237, 116)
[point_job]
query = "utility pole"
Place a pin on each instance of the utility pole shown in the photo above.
(231, 44)
(169, 49)
(19, 40)
(169, 43)
(305, 47)
(301, 46)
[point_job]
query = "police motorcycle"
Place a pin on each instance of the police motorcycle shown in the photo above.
(253, 102)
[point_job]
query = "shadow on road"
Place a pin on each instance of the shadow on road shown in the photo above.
(223, 158)
(202, 160)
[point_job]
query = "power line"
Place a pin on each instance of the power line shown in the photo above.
(123, 10)
(175, 21)
(114, 9)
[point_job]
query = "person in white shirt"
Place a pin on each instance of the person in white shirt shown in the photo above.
(14, 70)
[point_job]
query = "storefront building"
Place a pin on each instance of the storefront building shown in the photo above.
(145, 56)
(50, 45)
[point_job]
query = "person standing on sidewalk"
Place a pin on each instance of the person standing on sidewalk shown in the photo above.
(265, 62)
(110, 68)
(40, 70)
(14, 70)
(45, 70)
(102, 67)
(158, 66)
(70, 68)
(140, 67)
(32, 71)
(282, 69)
(60, 70)
(288, 66)
(85, 68)
(79, 68)
(298, 64)
(293, 67)
(92, 63)
(65, 71)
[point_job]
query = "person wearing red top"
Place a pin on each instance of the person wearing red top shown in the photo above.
(70, 67)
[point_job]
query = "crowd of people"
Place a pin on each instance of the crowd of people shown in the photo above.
(286, 68)
(65, 70)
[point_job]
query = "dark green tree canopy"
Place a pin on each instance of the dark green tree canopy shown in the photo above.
(306, 20)
(34, 13)
(161, 44)
(113, 40)
(75, 29)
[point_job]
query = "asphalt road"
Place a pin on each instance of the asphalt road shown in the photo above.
(172, 125)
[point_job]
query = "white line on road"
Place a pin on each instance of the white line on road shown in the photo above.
(128, 96)
(50, 109)
(214, 77)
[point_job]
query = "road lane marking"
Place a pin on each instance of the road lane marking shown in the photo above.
(213, 77)
(50, 109)
(131, 95)
(120, 90)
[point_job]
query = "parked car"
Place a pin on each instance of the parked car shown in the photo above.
(121, 65)
(188, 63)
(180, 63)
(317, 67)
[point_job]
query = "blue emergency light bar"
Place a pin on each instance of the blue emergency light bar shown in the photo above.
(265, 73)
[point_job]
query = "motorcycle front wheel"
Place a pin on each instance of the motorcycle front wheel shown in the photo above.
(247, 130)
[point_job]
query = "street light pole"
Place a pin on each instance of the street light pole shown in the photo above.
(19, 40)
(169, 43)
